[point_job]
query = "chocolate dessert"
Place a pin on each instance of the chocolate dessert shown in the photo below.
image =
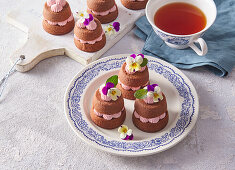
(134, 4)
(89, 35)
(150, 113)
(108, 109)
(58, 18)
(104, 10)
(133, 75)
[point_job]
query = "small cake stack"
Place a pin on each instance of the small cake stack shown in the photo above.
(88, 34)
(58, 18)
(104, 10)
(108, 109)
(134, 4)
(150, 113)
(133, 75)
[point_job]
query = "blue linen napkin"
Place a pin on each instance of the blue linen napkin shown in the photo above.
(220, 39)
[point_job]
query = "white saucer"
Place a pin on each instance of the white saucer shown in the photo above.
(181, 98)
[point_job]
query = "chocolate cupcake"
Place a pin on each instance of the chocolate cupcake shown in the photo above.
(104, 10)
(88, 34)
(108, 109)
(134, 4)
(58, 18)
(133, 75)
(150, 113)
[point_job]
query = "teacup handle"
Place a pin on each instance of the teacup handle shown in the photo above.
(203, 45)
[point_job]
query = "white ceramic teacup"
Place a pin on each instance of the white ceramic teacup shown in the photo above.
(183, 41)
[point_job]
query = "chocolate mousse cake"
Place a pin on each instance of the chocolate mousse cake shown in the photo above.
(133, 75)
(108, 109)
(150, 110)
(88, 34)
(104, 10)
(58, 18)
(134, 4)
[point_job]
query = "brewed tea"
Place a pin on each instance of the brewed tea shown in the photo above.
(180, 18)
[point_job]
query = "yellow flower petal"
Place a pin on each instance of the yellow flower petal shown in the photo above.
(155, 97)
(135, 66)
(114, 93)
(131, 69)
(123, 129)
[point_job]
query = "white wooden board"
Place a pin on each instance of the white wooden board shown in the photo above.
(41, 45)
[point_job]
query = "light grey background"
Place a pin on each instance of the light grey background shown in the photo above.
(34, 133)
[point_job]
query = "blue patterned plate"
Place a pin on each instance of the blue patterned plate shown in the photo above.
(181, 98)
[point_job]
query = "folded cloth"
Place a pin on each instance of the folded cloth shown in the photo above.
(220, 39)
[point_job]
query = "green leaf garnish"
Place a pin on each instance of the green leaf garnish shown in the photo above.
(113, 79)
(141, 94)
(144, 63)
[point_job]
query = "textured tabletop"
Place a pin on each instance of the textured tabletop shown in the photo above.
(34, 133)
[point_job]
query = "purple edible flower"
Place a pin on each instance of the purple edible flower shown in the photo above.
(86, 22)
(154, 85)
(105, 90)
(107, 87)
(133, 56)
(126, 138)
(142, 55)
(151, 87)
(90, 17)
(129, 137)
(116, 26)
